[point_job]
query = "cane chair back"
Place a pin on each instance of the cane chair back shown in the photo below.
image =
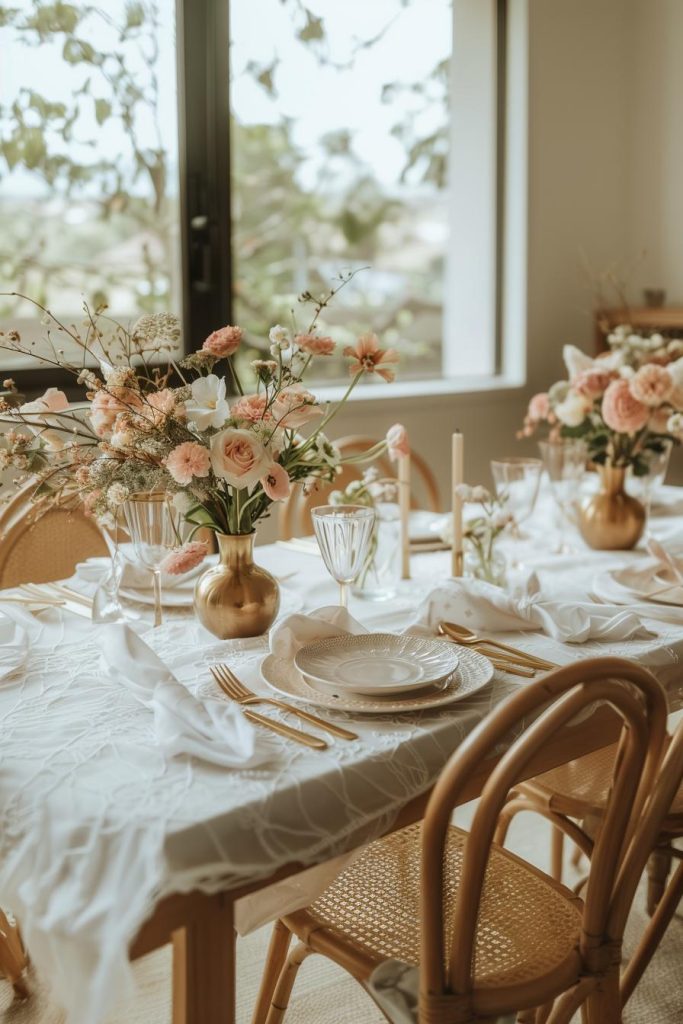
(295, 513)
(39, 543)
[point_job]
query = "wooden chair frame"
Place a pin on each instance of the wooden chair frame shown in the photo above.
(636, 807)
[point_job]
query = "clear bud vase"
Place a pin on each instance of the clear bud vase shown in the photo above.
(487, 565)
(378, 579)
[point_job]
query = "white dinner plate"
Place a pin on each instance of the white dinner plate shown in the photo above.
(629, 584)
(376, 664)
(474, 671)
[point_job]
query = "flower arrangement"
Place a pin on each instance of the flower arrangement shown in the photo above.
(624, 405)
(173, 426)
(481, 532)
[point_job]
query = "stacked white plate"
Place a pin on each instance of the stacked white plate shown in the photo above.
(648, 581)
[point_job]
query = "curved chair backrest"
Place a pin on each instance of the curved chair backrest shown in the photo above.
(39, 543)
(640, 702)
(295, 513)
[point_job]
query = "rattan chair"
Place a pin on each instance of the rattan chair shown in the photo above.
(573, 797)
(13, 958)
(491, 934)
(295, 513)
(39, 543)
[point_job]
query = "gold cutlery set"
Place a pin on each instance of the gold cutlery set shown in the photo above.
(502, 656)
(53, 595)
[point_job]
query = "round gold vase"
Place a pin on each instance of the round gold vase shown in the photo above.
(611, 519)
(236, 598)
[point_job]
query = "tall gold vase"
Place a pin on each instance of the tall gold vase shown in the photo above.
(236, 598)
(611, 519)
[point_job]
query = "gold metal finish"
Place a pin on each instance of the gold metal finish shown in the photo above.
(467, 637)
(282, 730)
(611, 519)
(236, 598)
(240, 693)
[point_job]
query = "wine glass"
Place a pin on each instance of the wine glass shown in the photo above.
(643, 487)
(517, 480)
(154, 528)
(343, 533)
(565, 464)
(106, 605)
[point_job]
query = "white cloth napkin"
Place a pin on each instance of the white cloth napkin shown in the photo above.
(13, 646)
(481, 606)
(294, 631)
(215, 731)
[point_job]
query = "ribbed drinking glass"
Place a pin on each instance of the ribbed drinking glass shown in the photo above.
(343, 533)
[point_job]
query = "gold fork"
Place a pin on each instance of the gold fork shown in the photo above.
(240, 693)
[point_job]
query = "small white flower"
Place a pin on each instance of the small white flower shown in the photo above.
(675, 424)
(208, 406)
(117, 494)
(182, 502)
(480, 493)
(572, 411)
(88, 378)
(279, 338)
(464, 492)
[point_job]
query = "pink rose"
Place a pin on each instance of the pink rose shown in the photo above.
(397, 442)
(185, 558)
(224, 342)
(314, 345)
(187, 461)
(652, 385)
(251, 408)
(238, 457)
(593, 383)
(294, 407)
(275, 483)
(539, 407)
(621, 411)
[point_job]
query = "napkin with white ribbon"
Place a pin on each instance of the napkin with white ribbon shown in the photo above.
(215, 731)
(481, 606)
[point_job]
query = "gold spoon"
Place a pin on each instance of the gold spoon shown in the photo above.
(469, 638)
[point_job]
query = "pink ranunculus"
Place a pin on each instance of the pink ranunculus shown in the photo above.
(238, 457)
(185, 558)
(368, 357)
(651, 385)
(224, 342)
(314, 345)
(621, 411)
(593, 383)
(397, 441)
(539, 407)
(251, 408)
(294, 407)
(275, 482)
(187, 461)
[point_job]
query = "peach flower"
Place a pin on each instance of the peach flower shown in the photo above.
(295, 406)
(53, 400)
(224, 342)
(652, 385)
(251, 408)
(185, 558)
(188, 460)
(275, 483)
(397, 441)
(314, 345)
(539, 407)
(159, 406)
(368, 357)
(238, 457)
(108, 403)
(621, 411)
(593, 383)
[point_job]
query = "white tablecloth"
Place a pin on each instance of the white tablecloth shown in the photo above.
(95, 827)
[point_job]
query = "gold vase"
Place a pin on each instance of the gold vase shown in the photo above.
(236, 598)
(611, 519)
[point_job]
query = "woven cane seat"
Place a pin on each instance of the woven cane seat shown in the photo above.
(528, 924)
(581, 787)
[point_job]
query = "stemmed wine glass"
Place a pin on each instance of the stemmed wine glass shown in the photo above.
(565, 464)
(643, 487)
(517, 480)
(154, 528)
(343, 533)
(106, 604)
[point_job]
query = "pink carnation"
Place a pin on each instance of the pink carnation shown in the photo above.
(275, 483)
(185, 558)
(314, 345)
(251, 408)
(295, 406)
(593, 383)
(539, 407)
(621, 411)
(187, 461)
(108, 403)
(652, 385)
(224, 342)
(397, 442)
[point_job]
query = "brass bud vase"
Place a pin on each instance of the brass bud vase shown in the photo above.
(236, 598)
(611, 519)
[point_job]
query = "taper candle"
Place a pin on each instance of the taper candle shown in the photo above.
(404, 510)
(456, 480)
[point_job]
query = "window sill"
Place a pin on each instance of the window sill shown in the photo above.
(415, 390)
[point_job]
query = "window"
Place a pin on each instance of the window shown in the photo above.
(333, 138)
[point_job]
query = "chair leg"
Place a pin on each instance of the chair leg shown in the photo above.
(556, 853)
(277, 954)
(13, 958)
(658, 868)
(283, 989)
(603, 1006)
(652, 936)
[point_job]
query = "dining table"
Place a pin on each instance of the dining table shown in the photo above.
(109, 848)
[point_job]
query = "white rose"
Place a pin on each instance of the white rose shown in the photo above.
(572, 411)
(279, 337)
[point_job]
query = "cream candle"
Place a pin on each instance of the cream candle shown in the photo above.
(404, 511)
(456, 480)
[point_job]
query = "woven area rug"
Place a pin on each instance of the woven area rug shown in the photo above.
(325, 995)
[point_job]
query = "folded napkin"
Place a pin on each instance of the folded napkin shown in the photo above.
(136, 576)
(214, 730)
(13, 646)
(481, 606)
(294, 631)
(394, 986)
